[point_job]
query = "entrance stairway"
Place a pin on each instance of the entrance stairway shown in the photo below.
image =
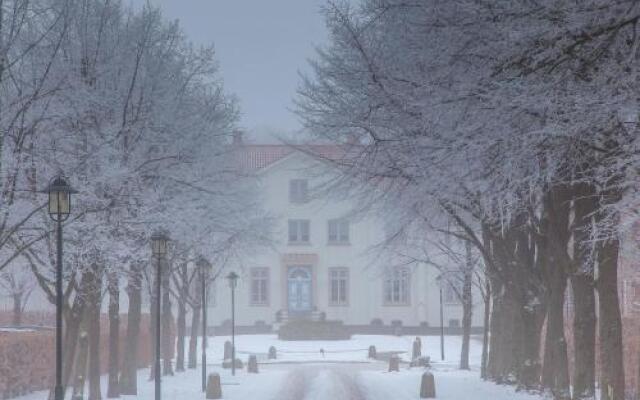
(314, 315)
(310, 326)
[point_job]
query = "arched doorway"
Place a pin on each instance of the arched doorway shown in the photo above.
(299, 289)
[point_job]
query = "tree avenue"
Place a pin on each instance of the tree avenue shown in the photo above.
(500, 136)
(121, 103)
(508, 125)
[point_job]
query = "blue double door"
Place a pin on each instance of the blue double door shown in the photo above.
(299, 289)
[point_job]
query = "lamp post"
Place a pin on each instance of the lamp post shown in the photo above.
(159, 242)
(59, 192)
(441, 324)
(233, 282)
(204, 267)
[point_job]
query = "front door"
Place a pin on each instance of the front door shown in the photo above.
(299, 289)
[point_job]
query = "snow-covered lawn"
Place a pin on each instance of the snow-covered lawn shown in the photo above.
(450, 385)
(187, 386)
(302, 372)
(354, 350)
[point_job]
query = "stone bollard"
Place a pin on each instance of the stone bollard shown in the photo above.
(394, 363)
(228, 349)
(416, 350)
(372, 352)
(273, 354)
(428, 386)
(214, 389)
(252, 365)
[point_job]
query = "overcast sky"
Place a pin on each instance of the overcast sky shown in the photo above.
(261, 46)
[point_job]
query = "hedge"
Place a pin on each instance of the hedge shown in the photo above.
(27, 358)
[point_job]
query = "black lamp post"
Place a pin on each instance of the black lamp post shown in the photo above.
(159, 244)
(441, 322)
(59, 193)
(204, 267)
(233, 282)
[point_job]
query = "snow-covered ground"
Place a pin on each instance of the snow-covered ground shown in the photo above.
(344, 372)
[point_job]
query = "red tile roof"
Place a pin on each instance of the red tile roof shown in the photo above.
(258, 156)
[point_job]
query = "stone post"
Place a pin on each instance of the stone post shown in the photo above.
(228, 350)
(428, 386)
(214, 389)
(394, 363)
(416, 350)
(252, 366)
(273, 354)
(372, 352)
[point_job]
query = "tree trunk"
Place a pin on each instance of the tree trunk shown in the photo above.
(553, 251)
(493, 298)
(555, 373)
(515, 288)
(485, 333)
(467, 308)
(503, 347)
(193, 340)
(81, 362)
(610, 322)
(584, 336)
(152, 327)
(167, 319)
(94, 336)
(72, 321)
(113, 390)
(129, 374)
(584, 301)
(181, 331)
(498, 316)
(532, 318)
(17, 309)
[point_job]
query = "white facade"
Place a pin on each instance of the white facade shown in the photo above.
(321, 267)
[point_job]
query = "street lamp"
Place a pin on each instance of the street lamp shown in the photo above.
(159, 244)
(204, 266)
(441, 321)
(59, 192)
(233, 282)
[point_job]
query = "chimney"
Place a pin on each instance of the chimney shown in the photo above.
(237, 138)
(353, 140)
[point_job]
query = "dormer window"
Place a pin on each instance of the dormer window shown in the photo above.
(298, 191)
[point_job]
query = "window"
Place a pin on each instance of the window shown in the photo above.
(338, 286)
(259, 286)
(338, 231)
(396, 287)
(299, 231)
(298, 191)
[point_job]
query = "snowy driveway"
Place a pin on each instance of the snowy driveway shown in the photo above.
(322, 382)
(340, 372)
(373, 382)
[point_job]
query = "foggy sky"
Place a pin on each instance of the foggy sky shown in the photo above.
(261, 45)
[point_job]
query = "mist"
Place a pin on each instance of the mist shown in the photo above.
(310, 200)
